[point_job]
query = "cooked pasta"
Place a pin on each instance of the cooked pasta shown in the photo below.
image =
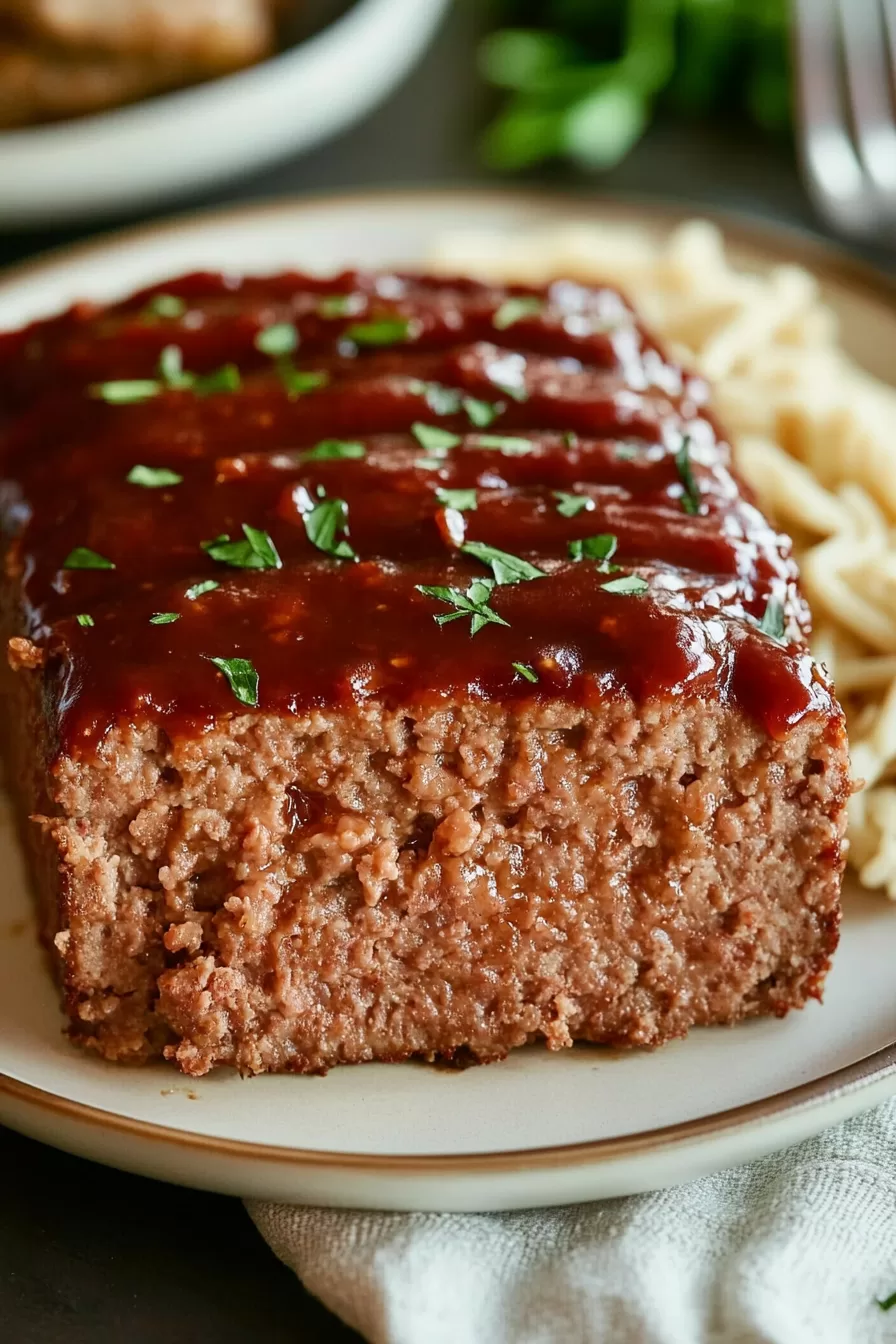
(813, 433)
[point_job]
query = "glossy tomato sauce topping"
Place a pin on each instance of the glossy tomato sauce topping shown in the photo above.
(292, 492)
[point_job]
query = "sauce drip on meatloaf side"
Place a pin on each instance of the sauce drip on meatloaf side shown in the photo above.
(399, 668)
(534, 397)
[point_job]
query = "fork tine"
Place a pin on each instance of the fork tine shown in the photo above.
(865, 57)
(835, 177)
(890, 25)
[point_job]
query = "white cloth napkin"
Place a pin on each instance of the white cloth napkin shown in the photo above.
(790, 1250)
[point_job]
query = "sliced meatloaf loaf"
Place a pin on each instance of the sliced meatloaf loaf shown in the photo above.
(399, 668)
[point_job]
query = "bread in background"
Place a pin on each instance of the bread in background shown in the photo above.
(64, 58)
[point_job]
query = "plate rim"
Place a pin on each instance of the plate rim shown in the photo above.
(826, 260)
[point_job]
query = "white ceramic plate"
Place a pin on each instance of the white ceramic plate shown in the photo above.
(540, 1128)
(154, 150)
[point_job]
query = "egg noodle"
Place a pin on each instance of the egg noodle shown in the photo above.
(813, 434)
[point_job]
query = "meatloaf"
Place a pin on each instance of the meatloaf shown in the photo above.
(400, 669)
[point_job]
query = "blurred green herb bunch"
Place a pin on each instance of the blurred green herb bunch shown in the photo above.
(585, 76)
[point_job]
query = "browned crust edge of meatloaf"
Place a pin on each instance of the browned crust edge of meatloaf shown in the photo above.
(289, 894)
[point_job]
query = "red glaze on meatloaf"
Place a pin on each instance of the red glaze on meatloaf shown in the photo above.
(401, 669)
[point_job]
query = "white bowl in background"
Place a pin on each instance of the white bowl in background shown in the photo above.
(152, 151)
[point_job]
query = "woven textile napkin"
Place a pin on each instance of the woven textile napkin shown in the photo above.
(790, 1250)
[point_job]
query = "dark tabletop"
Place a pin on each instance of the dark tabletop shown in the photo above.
(89, 1255)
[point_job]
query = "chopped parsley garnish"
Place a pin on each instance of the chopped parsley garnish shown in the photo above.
(885, 1303)
(505, 567)
(164, 305)
(630, 585)
(280, 339)
(570, 505)
(171, 369)
(516, 391)
(323, 524)
(508, 445)
(241, 677)
(525, 671)
(198, 589)
(474, 603)
(385, 331)
(626, 451)
(256, 552)
(82, 557)
(152, 478)
(299, 381)
(601, 548)
(340, 305)
(164, 617)
(84, 618)
(329, 450)
(126, 391)
(433, 439)
(690, 499)
(462, 500)
(772, 622)
(225, 379)
(482, 413)
(512, 311)
(440, 400)
(570, 439)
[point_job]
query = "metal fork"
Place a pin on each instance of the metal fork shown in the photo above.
(845, 60)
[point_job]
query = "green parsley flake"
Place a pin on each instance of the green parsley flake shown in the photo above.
(280, 339)
(126, 391)
(171, 369)
(340, 305)
(505, 567)
(600, 548)
(570, 439)
(324, 522)
(440, 400)
(508, 445)
(300, 381)
(772, 623)
(256, 552)
(225, 379)
(462, 500)
(198, 589)
(690, 499)
(434, 440)
(152, 478)
(630, 585)
(885, 1303)
(482, 413)
(516, 391)
(164, 617)
(82, 557)
(570, 505)
(512, 311)
(474, 603)
(164, 305)
(241, 677)
(329, 450)
(525, 670)
(385, 331)
(83, 618)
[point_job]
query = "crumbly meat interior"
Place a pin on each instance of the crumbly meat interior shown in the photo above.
(288, 895)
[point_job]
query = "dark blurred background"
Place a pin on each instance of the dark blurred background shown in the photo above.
(92, 1256)
(715, 131)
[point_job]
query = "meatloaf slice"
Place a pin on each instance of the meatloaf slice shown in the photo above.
(400, 669)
